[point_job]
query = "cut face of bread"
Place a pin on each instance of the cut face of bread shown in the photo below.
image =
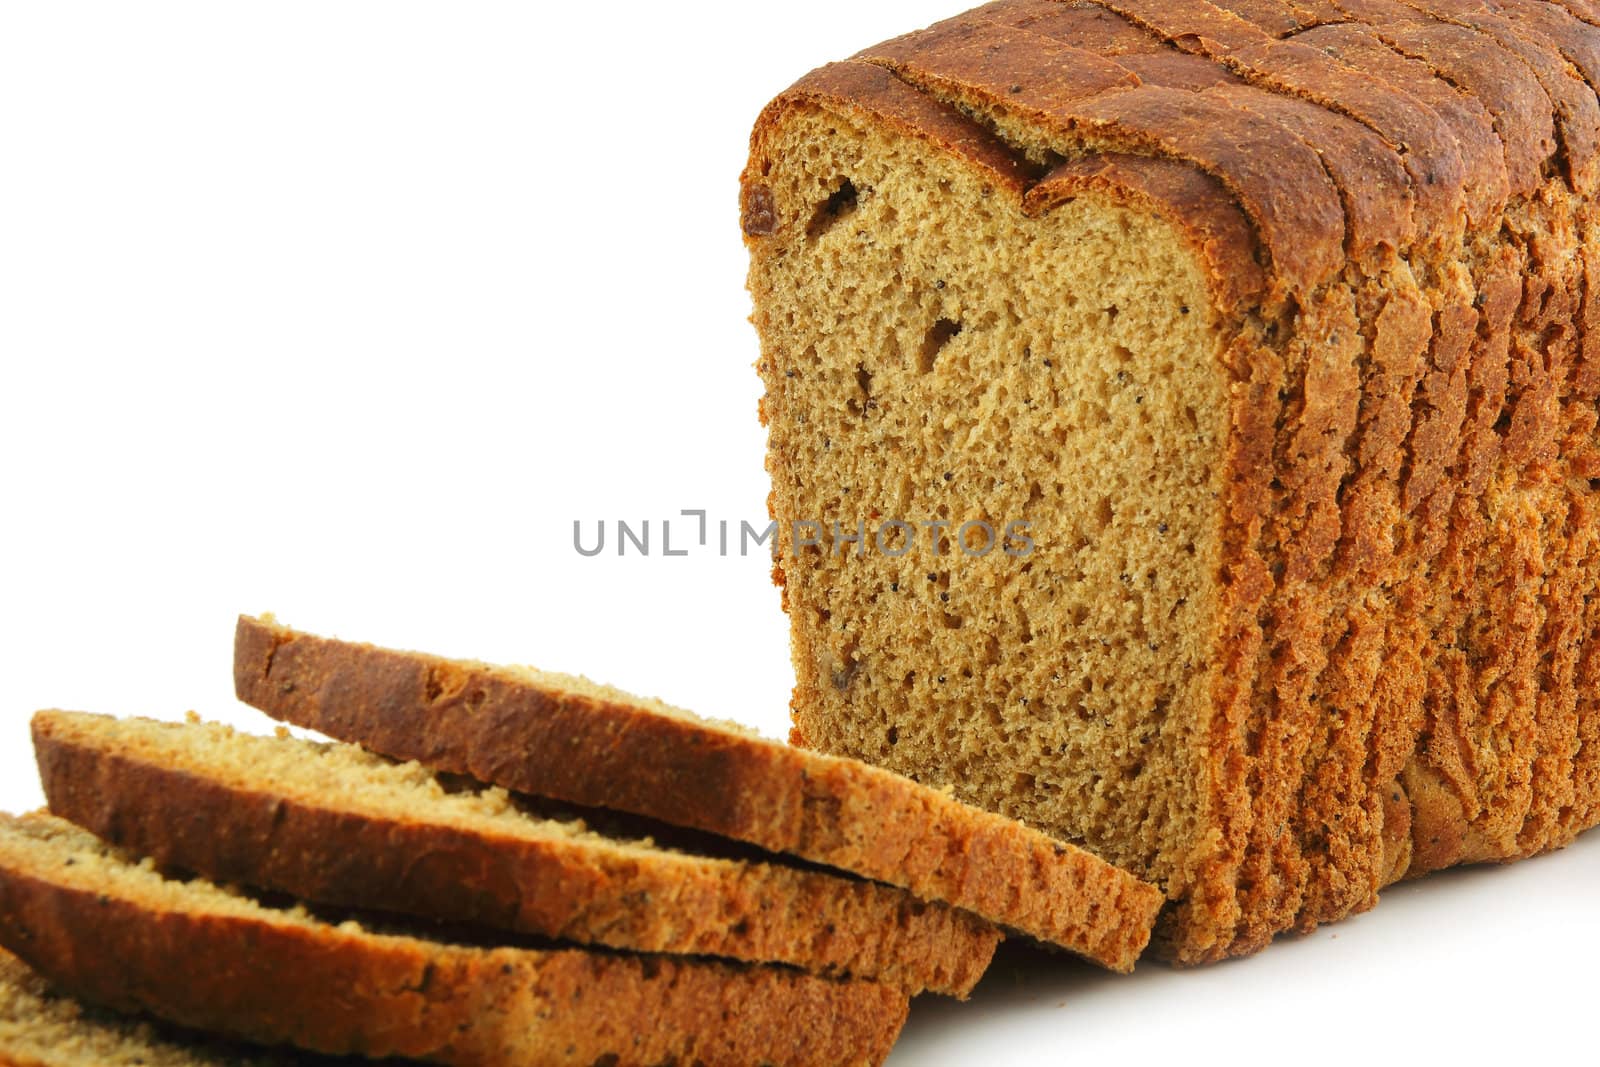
(572, 740)
(934, 352)
(201, 956)
(338, 826)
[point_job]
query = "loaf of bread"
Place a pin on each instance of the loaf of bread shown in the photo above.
(333, 825)
(1186, 415)
(573, 740)
(100, 925)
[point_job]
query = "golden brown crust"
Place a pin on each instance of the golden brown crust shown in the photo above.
(1376, 193)
(1440, 177)
(1269, 16)
(498, 727)
(1576, 109)
(1587, 11)
(1504, 754)
(1464, 117)
(1282, 186)
(354, 992)
(1552, 26)
(984, 53)
(862, 88)
(1076, 23)
(1485, 69)
(572, 889)
(1373, 186)
(1179, 70)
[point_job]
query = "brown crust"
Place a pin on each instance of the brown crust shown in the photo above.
(980, 52)
(1587, 11)
(496, 726)
(1179, 70)
(354, 992)
(1372, 181)
(1576, 109)
(1440, 177)
(1465, 118)
(865, 89)
(1076, 23)
(1375, 190)
(1281, 184)
(1499, 764)
(196, 819)
(1484, 68)
(1269, 16)
(1554, 27)
(1345, 820)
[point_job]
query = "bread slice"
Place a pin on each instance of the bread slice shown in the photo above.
(201, 956)
(41, 1027)
(567, 738)
(338, 826)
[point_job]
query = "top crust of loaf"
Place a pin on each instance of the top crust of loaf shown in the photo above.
(1191, 199)
(1100, 75)
(524, 733)
(1069, 95)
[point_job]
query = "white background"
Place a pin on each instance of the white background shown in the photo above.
(347, 311)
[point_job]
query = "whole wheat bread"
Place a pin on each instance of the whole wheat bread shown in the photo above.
(337, 826)
(1276, 323)
(109, 929)
(573, 740)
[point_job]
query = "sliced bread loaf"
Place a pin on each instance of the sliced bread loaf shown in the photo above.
(336, 825)
(201, 956)
(41, 1027)
(1275, 324)
(576, 741)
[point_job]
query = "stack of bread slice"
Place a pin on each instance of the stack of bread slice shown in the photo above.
(500, 866)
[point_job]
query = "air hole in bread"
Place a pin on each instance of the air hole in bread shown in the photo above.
(840, 203)
(939, 334)
(862, 404)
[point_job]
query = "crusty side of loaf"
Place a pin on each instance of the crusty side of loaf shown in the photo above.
(200, 957)
(336, 826)
(1398, 660)
(586, 745)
